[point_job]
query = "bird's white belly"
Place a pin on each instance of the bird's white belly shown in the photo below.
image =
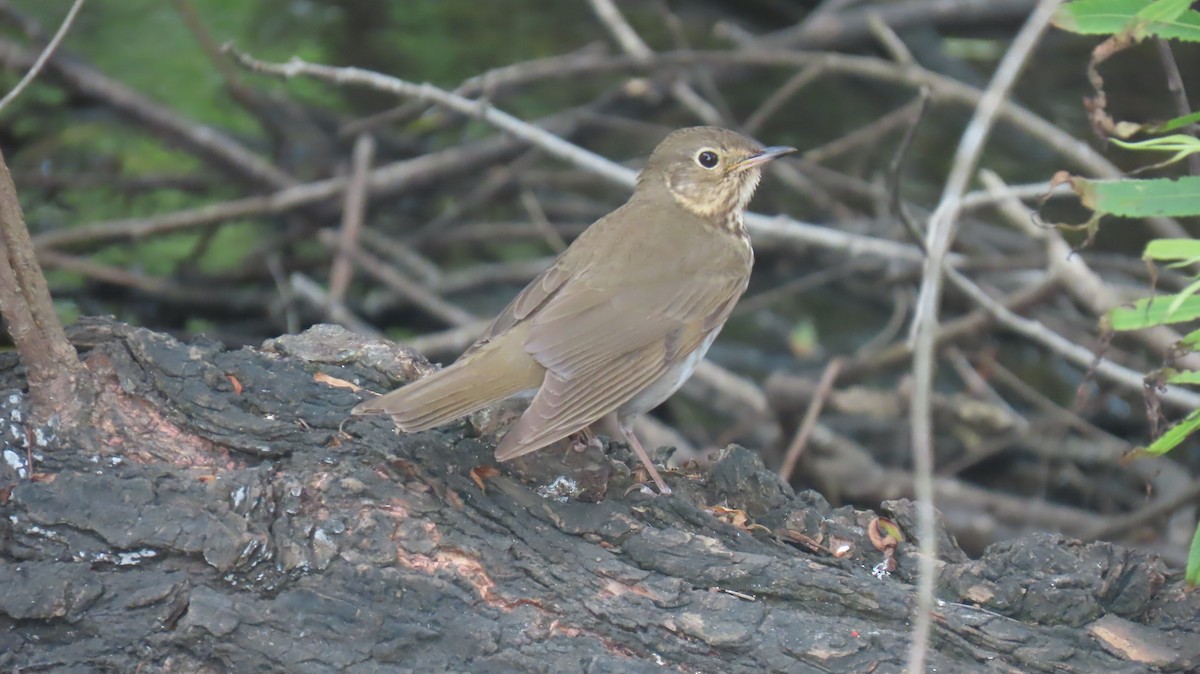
(653, 395)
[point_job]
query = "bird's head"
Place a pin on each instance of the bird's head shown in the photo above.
(710, 171)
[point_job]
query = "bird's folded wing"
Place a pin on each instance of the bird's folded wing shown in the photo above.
(582, 324)
(537, 293)
(602, 347)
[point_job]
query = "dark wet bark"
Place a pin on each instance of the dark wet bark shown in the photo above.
(216, 516)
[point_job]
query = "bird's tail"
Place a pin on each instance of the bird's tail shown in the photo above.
(492, 373)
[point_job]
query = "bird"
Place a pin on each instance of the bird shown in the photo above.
(621, 318)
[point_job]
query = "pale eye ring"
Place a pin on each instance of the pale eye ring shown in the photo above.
(708, 159)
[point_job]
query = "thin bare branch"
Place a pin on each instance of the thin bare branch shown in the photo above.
(938, 239)
(632, 44)
(415, 292)
(800, 439)
(353, 212)
(44, 56)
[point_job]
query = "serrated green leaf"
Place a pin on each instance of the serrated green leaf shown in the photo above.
(1151, 311)
(1109, 17)
(1184, 377)
(1141, 198)
(1192, 573)
(1175, 435)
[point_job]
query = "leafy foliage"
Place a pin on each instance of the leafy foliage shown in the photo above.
(1168, 19)
(1127, 20)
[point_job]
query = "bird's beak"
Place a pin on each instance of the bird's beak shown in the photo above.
(762, 156)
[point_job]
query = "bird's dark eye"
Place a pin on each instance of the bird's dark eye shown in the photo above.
(707, 159)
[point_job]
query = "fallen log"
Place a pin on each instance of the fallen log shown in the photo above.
(221, 513)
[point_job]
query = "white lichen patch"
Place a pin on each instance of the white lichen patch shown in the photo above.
(16, 461)
(562, 489)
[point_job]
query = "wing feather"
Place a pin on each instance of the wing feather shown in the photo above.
(597, 360)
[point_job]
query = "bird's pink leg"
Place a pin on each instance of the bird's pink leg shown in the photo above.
(631, 438)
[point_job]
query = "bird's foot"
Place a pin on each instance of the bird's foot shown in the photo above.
(585, 440)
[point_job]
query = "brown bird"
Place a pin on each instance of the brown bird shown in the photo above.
(621, 319)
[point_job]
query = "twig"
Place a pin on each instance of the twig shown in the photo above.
(353, 212)
(742, 397)
(791, 176)
(796, 286)
(206, 142)
(409, 174)
(1073, 273)
(968, 508)
(979, 387)
(901, 301)
(416, 293)
(939, 237)
(1080, 356)
(287, 296)
(843, 28)
(777, 229)
(493, 182)
(775, 101)
(633, 45)
(517, 271)
(1032, 192)
(399, 252)
(483, 231)
(492, 83)
(44, 56)
(212, 49)
(1120, 525)
(948, 332)
(896, 168)
(538, 217)
(163, 288)
(1178, 93)
(428, 92)
(870, 133)
(704, 80)
(1009, 379)
(447, 343)
(889, 40)
(796, 448)
(1077, 152)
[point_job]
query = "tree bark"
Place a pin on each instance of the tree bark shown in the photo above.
(223, 515)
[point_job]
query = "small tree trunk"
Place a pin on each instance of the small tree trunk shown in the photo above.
(54, 370)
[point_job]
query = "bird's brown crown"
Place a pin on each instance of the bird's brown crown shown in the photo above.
(710, 171)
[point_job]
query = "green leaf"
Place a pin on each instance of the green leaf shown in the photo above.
(1175, 435)
(1192, 574)
(1184, 377)
(1172, 250)
(1164, 10)
(1172, 124)
(1150, 311)
(1182, 296)
(1140, 198)
(1190, 341)
(1110, 17)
